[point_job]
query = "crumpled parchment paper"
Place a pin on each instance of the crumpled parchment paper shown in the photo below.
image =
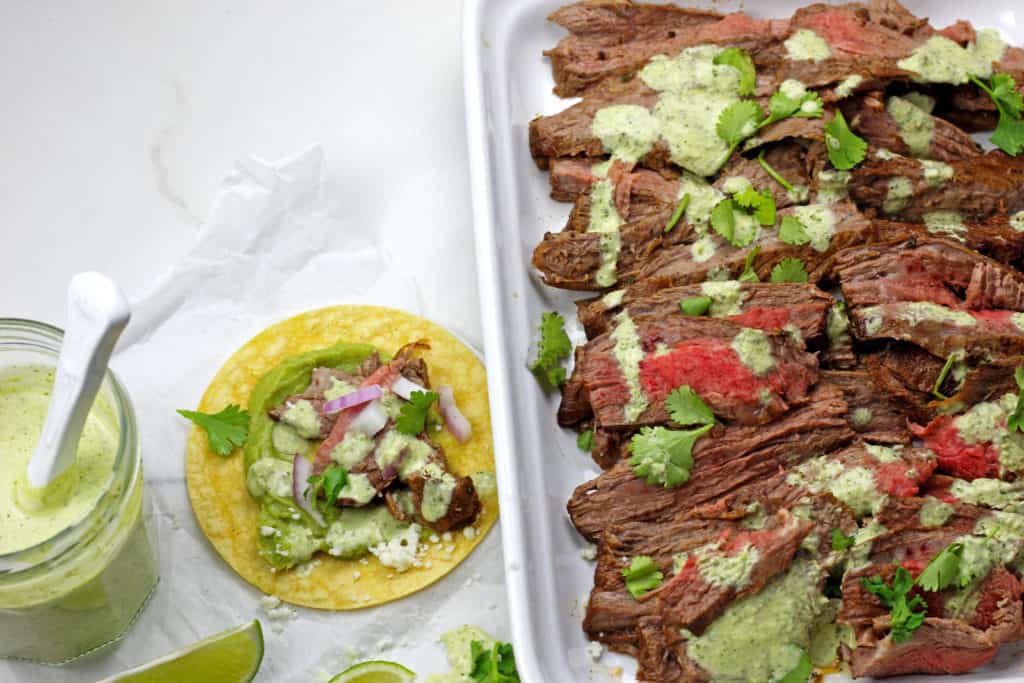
(279, 242)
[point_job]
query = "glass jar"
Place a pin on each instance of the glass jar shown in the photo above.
(82, 588)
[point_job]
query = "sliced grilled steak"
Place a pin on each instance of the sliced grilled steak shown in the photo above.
(875, 417)
(764, 306)
(985, 335)
(927, 269)
(724, 460)
(870, 117)
(980, 187)
(941, 645)
(676, 265)
(906, 374)
(463, 505)
(978, 442)
(322, 379)
(743, 374)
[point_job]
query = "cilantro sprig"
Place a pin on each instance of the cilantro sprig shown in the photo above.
(789, 270)
(642, 576)
(678, 213)
(840, 541)
(845, 149)
(1015, 420)
(749, 274)
(741, 61)
(331, 481)
(906, 614)
(495, 664)
(944, 570)
(775, 175)
(585, 441)
(662, 456)
(225, 430)
(413, 416)
(792, 231)
(686, 408)
(747, 202)
(1009, 133)
(553, 348)
(742, 119)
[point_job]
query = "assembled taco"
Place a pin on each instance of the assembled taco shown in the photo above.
(367, 473)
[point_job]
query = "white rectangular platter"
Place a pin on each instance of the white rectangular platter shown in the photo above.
(507, 83)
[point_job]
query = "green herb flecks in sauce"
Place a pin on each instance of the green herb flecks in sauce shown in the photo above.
(916, 126)
(941, 60)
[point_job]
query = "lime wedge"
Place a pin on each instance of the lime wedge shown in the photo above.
(375, 672)
(230, 657)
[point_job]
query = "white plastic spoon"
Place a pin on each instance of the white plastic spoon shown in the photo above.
(97, 313)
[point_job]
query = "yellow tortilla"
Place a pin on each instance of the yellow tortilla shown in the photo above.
(230, 517)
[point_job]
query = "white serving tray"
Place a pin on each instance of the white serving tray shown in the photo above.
(507, 83)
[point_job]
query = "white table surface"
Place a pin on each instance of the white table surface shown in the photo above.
(120, 119)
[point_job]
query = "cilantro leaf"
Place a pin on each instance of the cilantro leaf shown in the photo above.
(585, 441)
(943, 374)
(741, 61)
(332, 480)
(775, 175)
(723, 219)
(553, 348)
(642, 576)
(802, 671)
(413, 415)
(496, 664)
(845, 149)
(841, 541)
(798, 102)
(789, 270)
(739, 121)
(687, 408)
(749, 274)
(904, 617)
(792, 231)
(662, 456)
(944, 569)
(678, 213)
(695, 305)
(1015, 420)
(1009, 133)
(1006, 95)
(225, 431)
(761, 203)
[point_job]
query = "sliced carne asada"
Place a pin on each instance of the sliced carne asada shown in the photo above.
(927, 269)
(875, 417)
(304, 411)
(941, 645)
(980, 336)
(977, 443)
(900, 125)
(770, 307)
(743, 374)
(728, 459)
(977, 188)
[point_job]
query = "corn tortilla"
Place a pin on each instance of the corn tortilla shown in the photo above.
(230, 517)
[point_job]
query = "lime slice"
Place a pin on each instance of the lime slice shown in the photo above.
(375, 672)
(230, 657)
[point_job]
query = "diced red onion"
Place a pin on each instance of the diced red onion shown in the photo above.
(357, 397)
(456, 422)
(302, 470)
(370, 420)
(404, 387)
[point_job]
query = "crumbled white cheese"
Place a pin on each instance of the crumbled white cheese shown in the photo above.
(595, 650)
(589, 552)
(268, 531)
(356, 574)
(385, 644)
(269, 602)
(469, 532)
(400, 552)
(434, 538)
(447, 537)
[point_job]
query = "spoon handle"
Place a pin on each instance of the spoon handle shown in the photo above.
(97, 313)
